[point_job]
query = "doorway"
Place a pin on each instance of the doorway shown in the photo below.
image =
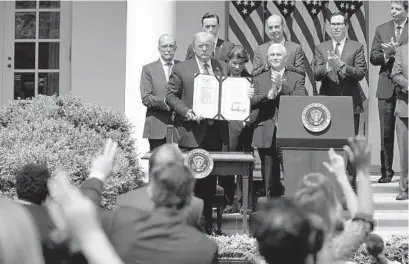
(36, 48)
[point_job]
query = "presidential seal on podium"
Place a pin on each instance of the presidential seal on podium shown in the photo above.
(200, 162)
(316, 117)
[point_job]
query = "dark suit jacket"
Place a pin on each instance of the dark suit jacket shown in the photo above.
(383, 34)
(179, 97)
(223, 47)
(400, 78)
(264, 111)
(295, 57)
(345, 84)
(139, 199)
(153, 90)
(156, 237)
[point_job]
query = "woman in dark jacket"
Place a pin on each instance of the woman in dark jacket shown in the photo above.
(240, 135)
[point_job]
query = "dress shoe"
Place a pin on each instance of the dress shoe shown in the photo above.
(384, 179)
(402, 196)
(220, 233)
(211, 231)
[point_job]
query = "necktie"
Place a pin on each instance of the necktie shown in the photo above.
(206, 69)
(397, 33)
(169, 65)
(337, 46)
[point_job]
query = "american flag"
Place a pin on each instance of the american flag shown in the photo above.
(306, 23)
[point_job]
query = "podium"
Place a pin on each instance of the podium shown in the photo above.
(305, 151)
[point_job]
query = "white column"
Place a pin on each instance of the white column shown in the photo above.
(146, 22)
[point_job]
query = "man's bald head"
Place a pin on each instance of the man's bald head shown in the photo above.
(167, 47)
(164, 154)
(203, 45)
(275, 27)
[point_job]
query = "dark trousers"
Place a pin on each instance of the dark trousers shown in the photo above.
(206, 188)
(351, 169)
(270, 169)
(154, 143)
(387, 119)
(244, 144)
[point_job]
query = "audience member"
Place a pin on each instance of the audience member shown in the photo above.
(19, 240)
(286, 233)
(141, 197)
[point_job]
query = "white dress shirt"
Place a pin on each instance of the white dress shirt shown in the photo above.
(341, 47)
(401, 27)
(166, 67)
(201, 63)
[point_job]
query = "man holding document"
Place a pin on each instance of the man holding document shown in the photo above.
(271, 85)
(193, 130)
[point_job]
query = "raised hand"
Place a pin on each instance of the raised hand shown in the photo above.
(336, 165)
(102, 165)
(359, 152)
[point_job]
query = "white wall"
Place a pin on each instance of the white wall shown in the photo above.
(99, 52)
(188, 19)
(378, 13)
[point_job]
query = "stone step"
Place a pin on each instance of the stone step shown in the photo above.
(390, 187)
(387, 201)
(395, 218)
(387, 232)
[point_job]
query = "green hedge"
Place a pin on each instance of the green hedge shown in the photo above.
(245, 247)
(65, 133)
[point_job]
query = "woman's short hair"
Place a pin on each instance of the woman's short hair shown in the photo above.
(31, 183)
(317, 195)
(172, 185)
(238, 52)
(19, 240)
(286, 233)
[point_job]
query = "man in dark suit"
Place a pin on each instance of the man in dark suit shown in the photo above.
(269, 87)
(295, 57)
(340, 65)
(400, 78)
(388, 37)
(210, 23)
(141, 197)
(160, 235)
(154, 78)
(193, 131)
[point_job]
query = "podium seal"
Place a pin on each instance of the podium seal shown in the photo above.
(316, 117)
(200, 162)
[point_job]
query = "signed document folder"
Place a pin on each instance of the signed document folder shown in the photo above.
(222, 98)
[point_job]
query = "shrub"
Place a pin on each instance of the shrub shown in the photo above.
(245, 247)
(65, 133)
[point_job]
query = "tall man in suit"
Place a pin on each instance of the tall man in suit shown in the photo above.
(295, 57)
(210, 23)
(141, 197)
(400, 78)
(388, 37)
(193, 131)
(340, 65)
(154, 78)
(269, 86)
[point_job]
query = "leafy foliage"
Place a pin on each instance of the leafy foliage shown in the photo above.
(65, 133)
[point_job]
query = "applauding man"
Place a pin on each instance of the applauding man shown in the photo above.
(269, 86)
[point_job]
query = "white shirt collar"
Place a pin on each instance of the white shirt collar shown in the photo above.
(281, 72)
(342, 42)
(201, 63)
(164, 62)
(281, 42)
(401, 25)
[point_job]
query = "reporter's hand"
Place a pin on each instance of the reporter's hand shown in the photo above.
(336, 166)
(190, 115)
(103, 165)
(359, 153)
(250, 92)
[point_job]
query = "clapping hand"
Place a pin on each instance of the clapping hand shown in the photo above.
(389, 48)
(276, 79)
(191, 116)
(103, 165)
(359, 153)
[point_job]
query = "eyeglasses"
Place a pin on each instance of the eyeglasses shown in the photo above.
(238, 63)
(168, 47)
(337, 24)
